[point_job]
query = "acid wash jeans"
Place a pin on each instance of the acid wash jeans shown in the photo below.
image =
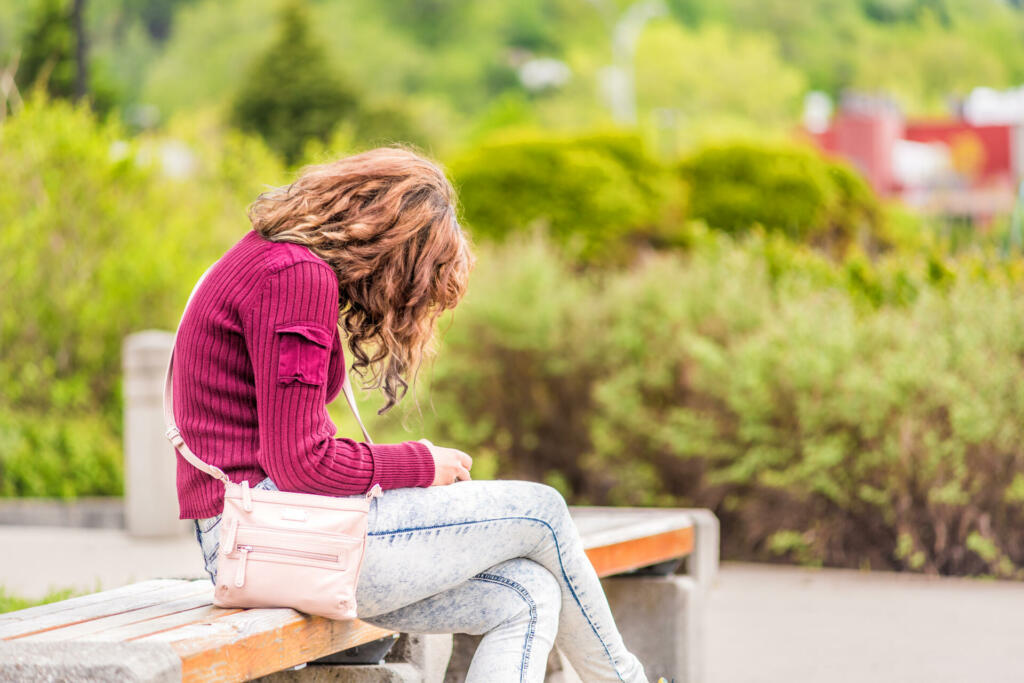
(501, 559)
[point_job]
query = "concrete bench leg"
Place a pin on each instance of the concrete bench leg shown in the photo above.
(661, 619)
(101, 662)
(348, 673)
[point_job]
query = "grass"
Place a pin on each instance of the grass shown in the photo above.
(11, 603)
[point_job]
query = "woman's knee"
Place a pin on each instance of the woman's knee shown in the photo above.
(546, 501)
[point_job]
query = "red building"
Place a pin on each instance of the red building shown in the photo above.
(949, 167)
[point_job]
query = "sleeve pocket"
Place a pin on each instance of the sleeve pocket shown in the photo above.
(303, 353)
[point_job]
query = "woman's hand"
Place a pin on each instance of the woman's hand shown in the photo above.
(450, 465)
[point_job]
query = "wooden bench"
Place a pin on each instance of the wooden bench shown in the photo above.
(168, 629)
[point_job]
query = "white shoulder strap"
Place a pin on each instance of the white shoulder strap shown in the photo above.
(172, 429)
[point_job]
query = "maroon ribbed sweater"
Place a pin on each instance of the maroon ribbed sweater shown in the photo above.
(257, 359)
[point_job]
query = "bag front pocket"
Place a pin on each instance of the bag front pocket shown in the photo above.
(307, 548)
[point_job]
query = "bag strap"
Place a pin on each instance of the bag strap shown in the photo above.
(174, 436)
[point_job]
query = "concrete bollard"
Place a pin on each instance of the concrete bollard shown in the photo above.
(150, 494)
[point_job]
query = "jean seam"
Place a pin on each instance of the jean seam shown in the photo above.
(558, 552)
(525, 595)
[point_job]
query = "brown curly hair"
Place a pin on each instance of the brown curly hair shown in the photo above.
(385, 222)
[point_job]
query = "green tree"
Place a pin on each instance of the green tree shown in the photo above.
(55, 55)
(292, 93)
(48, 49)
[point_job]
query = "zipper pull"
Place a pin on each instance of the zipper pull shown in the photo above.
(240, 575)
(375, 492)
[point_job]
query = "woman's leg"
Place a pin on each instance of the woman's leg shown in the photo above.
(515, 606)
(423, 541)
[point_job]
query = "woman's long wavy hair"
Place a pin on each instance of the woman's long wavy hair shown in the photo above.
(385, 221)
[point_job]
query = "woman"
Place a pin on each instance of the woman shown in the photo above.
(371, 242)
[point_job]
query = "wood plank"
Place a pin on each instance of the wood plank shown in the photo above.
(255, 642)
(602, 526)
(199, 597)
(161, 624)
(106, 603)
(82, 600)
(641, 552)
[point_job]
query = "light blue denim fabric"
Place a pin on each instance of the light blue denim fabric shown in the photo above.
(498, 558)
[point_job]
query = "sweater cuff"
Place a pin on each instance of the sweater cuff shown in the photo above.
(401, 465)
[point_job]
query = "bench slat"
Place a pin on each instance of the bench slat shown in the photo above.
(607, 526)
(143, 618)
(162, 624)
(641, 552)
(106, 603)
(81, 601)
(256, 642)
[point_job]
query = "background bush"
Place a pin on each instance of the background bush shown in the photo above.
(590, 193)
(820, 426)
(100, 238)
(782, 187)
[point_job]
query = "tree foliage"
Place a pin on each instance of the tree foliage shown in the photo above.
(292, 94)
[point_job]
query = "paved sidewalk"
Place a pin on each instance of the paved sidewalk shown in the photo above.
(37, 558)
(787, 625)
(767, 624)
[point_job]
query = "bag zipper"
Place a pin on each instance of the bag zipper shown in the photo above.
(228, 544)
(246, 549)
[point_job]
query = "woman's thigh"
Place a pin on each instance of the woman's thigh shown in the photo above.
(422, 541)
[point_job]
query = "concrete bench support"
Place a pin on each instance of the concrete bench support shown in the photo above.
(347, 673)
(660, 619)
(98, 662)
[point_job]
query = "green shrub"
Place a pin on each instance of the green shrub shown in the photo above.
(59, 455)
(787, 188)
(100, 240)
(822, 427)
(589, 192)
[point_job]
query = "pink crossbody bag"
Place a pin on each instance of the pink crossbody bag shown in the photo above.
(283, 549)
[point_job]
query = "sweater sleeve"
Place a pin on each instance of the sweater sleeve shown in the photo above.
(289, 329)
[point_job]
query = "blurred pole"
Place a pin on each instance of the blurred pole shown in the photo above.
(150, 491)
(619, 78)
(81, 50)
